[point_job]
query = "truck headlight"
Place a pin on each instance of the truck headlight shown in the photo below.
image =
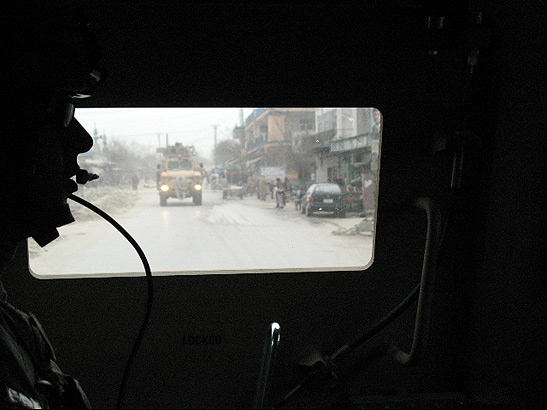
(197, 187)
(164, 188)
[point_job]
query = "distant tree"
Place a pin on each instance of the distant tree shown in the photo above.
(128, 159)
(227, 150)
(122, 154)
(201, 159)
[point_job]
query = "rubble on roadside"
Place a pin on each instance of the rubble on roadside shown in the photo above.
(365, 227)
(112, 200)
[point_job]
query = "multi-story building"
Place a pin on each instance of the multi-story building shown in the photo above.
(344, 122)
(315, 145)
(346, 150)
(272, 136)
(343, 144)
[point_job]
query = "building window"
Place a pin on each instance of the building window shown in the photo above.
(359, 156)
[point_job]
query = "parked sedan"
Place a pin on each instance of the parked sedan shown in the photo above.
(324, 197)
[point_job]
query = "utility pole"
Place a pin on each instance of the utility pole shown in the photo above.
(242, 126)
(166, 139)
(215, 149)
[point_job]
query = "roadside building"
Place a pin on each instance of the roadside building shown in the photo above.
(272, 137)
(315, 145)
(346, 151)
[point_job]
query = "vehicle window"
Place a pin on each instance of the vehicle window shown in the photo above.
(186, 165)
(328, 189)
(218, 211)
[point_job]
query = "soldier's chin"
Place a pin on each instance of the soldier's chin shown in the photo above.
(46, 236)
(46, 232)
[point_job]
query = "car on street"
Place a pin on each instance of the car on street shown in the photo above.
(324, 197)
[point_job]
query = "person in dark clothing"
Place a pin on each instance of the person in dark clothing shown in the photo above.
(52, 58)
(287, 184)
(134, 182)
(280, 192)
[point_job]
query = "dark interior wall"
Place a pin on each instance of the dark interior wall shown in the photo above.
(487, 325)
(507, 309)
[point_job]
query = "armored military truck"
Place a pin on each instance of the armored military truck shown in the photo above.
(178, 174)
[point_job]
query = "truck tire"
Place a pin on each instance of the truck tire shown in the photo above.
(163, 200)
(197, 198)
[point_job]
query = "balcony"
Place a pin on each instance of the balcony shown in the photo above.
(320, 142)
(256, 143)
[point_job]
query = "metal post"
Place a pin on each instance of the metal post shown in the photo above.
(215, 149)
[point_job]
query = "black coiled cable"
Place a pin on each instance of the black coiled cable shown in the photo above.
(150, 288)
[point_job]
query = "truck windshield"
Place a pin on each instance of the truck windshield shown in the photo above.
(186, 165)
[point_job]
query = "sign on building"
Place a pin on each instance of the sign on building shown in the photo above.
(272, 173)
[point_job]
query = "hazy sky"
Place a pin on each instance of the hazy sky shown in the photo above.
(142, 125)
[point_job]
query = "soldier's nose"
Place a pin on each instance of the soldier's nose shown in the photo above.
(78, 139)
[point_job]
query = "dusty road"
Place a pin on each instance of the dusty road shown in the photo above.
(231, 236)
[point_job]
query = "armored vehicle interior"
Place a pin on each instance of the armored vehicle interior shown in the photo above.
(452, 311)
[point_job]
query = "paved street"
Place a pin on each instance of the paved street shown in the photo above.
(223, 235)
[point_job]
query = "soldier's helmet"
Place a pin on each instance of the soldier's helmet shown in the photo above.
(50, 59)
(51, 56)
